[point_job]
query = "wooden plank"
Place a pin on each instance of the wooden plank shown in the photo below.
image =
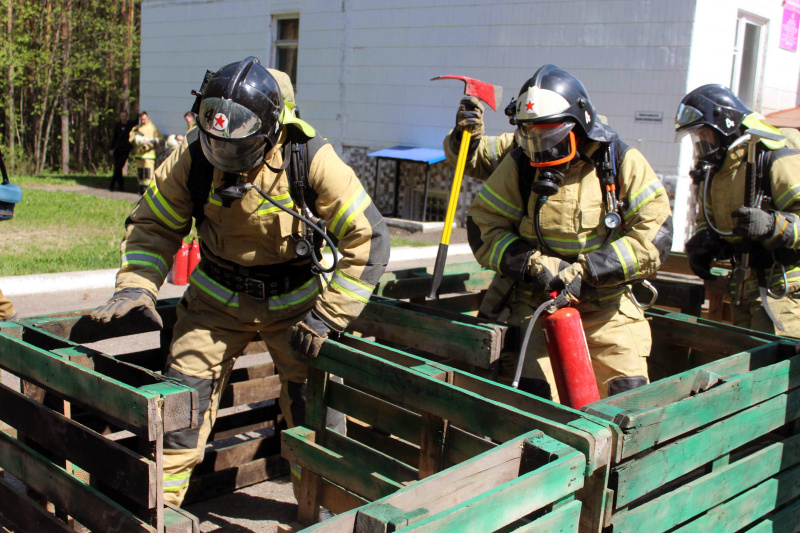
(510, 501)
(476, 345)
(465, 409)
(115, 465)
(26, 514)
(461, 277)
(461, 446)
(705, 493)
(368, 459)
(565, 519)
(784, 521)
(375, 412)
(750, 506)
(177, 520)
(646, 428)
(259, 371)
(640, 476)
(127, 405)
(298, 446)
(338, 500)
(258, 416)
(237, 454)
(378, 440)
(253, 391)
(85, 504)
(310, 492)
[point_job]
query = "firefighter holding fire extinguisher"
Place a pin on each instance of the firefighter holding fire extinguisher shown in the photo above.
(572, 211)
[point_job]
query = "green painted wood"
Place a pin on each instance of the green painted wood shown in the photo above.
(646, 428)
(750, 506)
(700, 495)
(375, 412)
(640, 476)
(786, 520)
(115, 465)
(565, 519)
(26, 514)
(177, 520)
(510, 501)
(298, 446)
(369, 459)
(465, 409)
(478, 345)
(678, 387)
(79, 500)
(401, 450)
(133, 408)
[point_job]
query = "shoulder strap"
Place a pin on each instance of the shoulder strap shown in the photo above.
(308, 150)
(201, 174)
(526, 173)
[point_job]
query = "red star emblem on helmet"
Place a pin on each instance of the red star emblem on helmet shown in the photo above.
(529, 105)
(220, 121)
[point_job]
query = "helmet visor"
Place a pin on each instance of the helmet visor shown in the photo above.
(686, 116)
(705, 141)
(231, 155)
(545, 143)
(225, 118)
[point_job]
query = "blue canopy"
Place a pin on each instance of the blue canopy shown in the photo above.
(411, 153)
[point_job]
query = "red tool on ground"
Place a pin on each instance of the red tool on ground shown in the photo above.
(180, 268)
(491, 95)
(569, 355)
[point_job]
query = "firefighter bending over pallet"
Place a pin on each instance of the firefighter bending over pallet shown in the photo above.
(573, 210)
(259, 270)
(750, 216)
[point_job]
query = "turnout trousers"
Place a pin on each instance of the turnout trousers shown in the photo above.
(210, 333)
(616, 331)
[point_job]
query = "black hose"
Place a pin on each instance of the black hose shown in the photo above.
(317, 265)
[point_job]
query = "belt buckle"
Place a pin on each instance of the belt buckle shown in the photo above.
(255, 288)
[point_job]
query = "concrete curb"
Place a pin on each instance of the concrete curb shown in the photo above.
(99, 279)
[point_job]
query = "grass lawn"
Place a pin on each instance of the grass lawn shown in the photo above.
(59, 231)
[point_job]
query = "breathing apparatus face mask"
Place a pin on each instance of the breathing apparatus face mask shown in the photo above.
(547, 145)
(709, 150)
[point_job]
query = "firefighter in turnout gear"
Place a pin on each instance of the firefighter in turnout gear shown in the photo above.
(259, 271)
(757, 231)
(573, 210)
(145, 138)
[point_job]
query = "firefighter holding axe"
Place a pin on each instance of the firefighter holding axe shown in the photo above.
(571, 210)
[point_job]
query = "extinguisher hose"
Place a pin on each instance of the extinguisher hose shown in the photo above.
(523, 347)
(317, 264)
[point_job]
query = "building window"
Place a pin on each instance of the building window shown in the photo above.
(748, 50)
(287, 31)
(437, 204)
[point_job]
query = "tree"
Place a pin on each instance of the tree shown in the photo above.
(72, 59)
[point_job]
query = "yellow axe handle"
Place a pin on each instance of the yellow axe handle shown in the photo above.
(461, 163)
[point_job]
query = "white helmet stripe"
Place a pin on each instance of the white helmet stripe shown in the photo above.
(538, 103)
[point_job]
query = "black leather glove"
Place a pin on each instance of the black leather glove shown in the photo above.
(470, 114)
(308, 336)
(128, 301)
(702, 250)
(753, 223)
(568, 284)
(540, 276)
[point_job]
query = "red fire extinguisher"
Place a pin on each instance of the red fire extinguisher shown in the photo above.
(569, 355)
(180, 268)
(194, 257)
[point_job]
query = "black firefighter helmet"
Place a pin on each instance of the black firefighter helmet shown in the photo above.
(712, 115)
(238, 110)
(551, 108)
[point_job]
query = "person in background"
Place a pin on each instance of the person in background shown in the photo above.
(145, 137)
(120, 149)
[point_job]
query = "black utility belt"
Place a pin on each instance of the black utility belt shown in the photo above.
(283, 278)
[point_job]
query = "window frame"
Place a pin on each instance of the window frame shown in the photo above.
(742, 20)
(282, 44)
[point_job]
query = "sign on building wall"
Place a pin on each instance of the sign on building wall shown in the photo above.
(790, 25)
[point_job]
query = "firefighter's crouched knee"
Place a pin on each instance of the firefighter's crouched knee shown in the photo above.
(625, 383)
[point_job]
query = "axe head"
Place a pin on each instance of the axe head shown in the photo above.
(490, 94)
(761, 134)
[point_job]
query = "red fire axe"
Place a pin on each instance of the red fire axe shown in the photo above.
(491, 95)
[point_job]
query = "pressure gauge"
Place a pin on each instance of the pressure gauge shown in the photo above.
(612, 220)
(302, 247)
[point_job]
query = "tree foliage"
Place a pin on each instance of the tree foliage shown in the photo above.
(68, 68)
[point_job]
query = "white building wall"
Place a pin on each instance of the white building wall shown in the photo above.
(365, 65)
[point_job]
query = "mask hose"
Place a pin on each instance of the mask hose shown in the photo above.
(320, 268)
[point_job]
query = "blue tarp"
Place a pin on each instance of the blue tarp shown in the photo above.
(411, 153)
